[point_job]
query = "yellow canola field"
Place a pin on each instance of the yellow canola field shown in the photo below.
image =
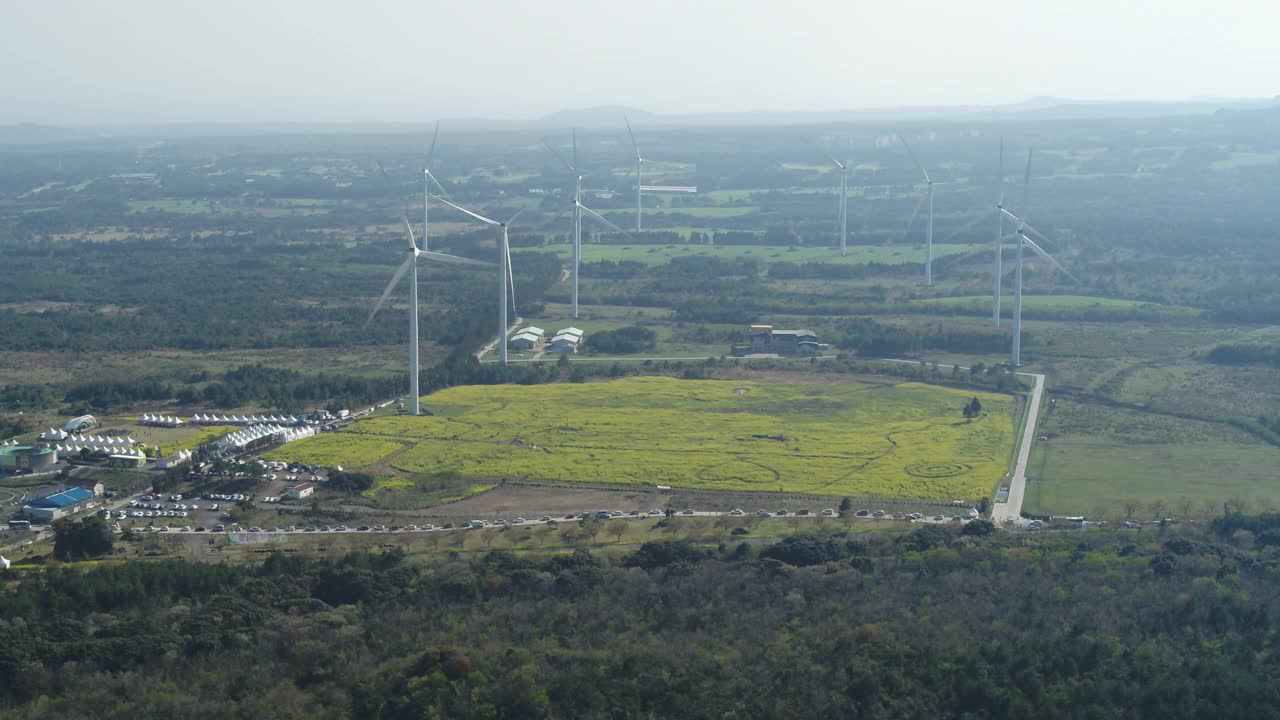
(905, 440)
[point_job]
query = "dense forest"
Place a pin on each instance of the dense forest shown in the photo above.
(934, 623)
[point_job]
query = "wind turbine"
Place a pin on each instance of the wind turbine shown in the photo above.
(844, 203)
(639, 161)
(1024, 232)
(928, 233)
(997, 270)
(506, 282)
(410, 265)
(427, 181)
(578, 208)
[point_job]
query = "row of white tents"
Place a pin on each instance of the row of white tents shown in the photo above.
(278, 434)
(245, 419)
(161, 421)
(113, 441)
(101, 450)
(54, 434)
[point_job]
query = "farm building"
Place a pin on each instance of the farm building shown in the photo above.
(298, 492)
(765, 340)
(59, 505)
(80, 424)
(27, 458)
(566, 341)
(527, 339)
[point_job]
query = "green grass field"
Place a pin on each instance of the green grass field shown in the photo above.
(1059, 303)
(1097, 458)
(1097, 475)
(905, 440)
(169, 440)
(857, 254)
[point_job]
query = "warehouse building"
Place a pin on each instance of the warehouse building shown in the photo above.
(765, 340)
(59, 505)
(566, 341)
(527, 339)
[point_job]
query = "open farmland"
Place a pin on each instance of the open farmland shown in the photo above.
(857, 254)
(905, 440)
(1066, 304)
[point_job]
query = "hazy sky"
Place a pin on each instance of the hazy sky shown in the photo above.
(116, 61)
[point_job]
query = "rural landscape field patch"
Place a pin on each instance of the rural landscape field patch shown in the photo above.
(905, 440)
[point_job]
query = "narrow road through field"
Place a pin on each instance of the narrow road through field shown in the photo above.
(1011, 509)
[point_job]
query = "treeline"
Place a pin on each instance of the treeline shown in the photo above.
(870, 337)
(840, 625)
(1244, 354)
(622, 341)
(291, 391)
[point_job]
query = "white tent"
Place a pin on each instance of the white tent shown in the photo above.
(4, 563)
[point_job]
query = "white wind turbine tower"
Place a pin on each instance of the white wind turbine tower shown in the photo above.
(928, 233)
(427, 181)
(578, 208)
(506, 282)
(1023, 234)
(844, 203)
(410, 265)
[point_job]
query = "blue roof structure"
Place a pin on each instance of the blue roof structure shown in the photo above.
(64, 498)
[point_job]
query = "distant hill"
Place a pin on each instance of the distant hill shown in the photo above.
(610, 117)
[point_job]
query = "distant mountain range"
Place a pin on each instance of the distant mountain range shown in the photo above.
(1040, 108)
(610, 116)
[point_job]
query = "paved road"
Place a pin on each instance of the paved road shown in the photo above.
(557, 520)
(1010, 510)
(512, 325)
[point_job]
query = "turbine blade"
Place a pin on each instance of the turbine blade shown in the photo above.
(1037, 233)
(914, 159)
(461, 209)
(513, 217)
(453, 259)
(1011, 216)
(395, 280)
(1000, 177)
(838, 163)
(436, 182)
(968, 226)
(558, 157)
(1026, 187)
(634, 144)
(575, 149)
(511, 278)
(604, 220)
(432, 150)
(914, 213)
(1040, 251)
(413, 242)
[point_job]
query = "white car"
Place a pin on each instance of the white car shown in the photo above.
(736, 511)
